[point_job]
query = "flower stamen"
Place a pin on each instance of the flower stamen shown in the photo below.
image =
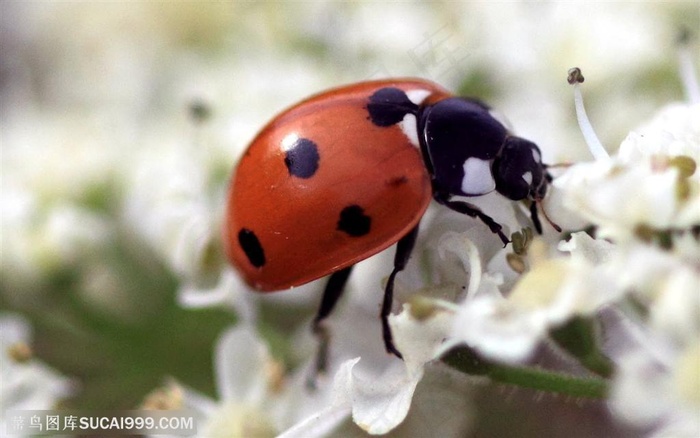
(594, 145)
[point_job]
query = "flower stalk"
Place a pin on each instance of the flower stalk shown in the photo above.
(578, 337)
(466, 360)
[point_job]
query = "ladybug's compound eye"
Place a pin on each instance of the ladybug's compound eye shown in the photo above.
(519, 171)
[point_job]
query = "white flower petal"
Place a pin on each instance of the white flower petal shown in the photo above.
(379, 405)
(241, 359)
(676, 311)
(26, 384)
(636, 403)
(492, 326)
(13, 329)
(595, 251)
(197, 402)
(467, 252)
(382, 403)
(418, 341)
(230, 292)
(441, 406)
(326, 420)
(673, 131)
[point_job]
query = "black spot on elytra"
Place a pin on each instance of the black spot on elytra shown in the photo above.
(251, 247)
(388, 106)
(302, 158)
(353, 221)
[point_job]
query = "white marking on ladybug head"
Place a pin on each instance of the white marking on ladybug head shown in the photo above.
(527, 176)
(417, 96)
(536, 155)
(478, 179)
(409, 127)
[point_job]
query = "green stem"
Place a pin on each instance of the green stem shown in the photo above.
(466, 360)
(580, 337)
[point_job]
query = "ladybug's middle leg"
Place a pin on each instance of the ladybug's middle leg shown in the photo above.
(331, 294)
(403, 252)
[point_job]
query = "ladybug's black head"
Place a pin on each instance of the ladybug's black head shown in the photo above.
(469, 152)
(518, 170)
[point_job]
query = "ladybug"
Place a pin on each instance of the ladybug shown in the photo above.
(349, 172)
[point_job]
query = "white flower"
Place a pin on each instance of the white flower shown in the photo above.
(379, 391)
(27, 384)
(507, 325)
(646, 199)
(255, 397)
(651, 183)
(674, 131)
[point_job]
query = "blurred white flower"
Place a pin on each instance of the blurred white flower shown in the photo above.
(27, 384)
(668, 400)
(662, 349)
(255, 397)
(174, 206)
(54, 182)
(39, 240)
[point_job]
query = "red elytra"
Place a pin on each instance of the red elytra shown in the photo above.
(321, 188)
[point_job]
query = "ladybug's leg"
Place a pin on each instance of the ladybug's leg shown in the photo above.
(331, 294)
(535, 217)
(403, 252)
(474, 211)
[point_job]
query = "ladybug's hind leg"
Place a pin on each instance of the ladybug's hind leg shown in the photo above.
(331, 294)
(403, 253)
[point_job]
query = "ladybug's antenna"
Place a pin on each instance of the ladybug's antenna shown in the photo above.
(575, 77)
(536, 203)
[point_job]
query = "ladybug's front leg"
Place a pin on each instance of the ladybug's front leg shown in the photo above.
(535, 218)
(404, 247)
(473, 211)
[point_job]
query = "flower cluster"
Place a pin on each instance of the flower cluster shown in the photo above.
(646, 201)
